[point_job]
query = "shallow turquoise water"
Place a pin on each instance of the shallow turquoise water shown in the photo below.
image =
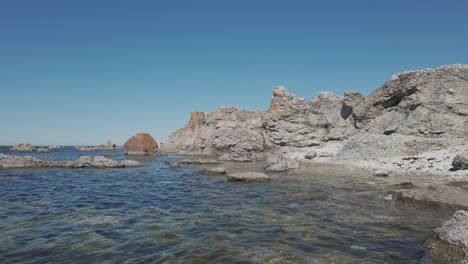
(155, 214)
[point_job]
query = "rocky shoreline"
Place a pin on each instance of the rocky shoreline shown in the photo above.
(416, 123)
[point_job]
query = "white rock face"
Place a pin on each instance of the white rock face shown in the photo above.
(417, 113)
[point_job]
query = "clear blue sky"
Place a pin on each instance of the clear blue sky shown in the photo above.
(83, 72)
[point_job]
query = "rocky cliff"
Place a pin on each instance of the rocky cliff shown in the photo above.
(413, 113)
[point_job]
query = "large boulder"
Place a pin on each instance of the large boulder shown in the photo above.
(23, 147)
(460, 162)
(140, 144)
(448, 244)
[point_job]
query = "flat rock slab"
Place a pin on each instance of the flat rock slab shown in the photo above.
(442, 197)
(98, 162)
(248, 177)
(234, 157)
(214, 171)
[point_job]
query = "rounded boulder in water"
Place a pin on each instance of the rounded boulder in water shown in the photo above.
(140, 144)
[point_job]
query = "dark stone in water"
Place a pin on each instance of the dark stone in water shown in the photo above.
(404, 185)
(172, 165)
(461, 184)
(308, 196)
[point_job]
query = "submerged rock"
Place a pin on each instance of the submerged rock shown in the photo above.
(214, 171)
(140, 144)
(460, 162)
(404, 185)
(248, 177)
(172, 165)
(280, 163)
(43, 150)
(308, 196)
(199, 162)
(445, 198)
(448, 244)
(23, 147)
(234, 157)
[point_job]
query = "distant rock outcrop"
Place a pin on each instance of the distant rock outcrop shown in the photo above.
(97, 162)
(413, 113)
(140, 144)
(23, 147)
(108, 145)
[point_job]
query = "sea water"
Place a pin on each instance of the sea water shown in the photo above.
(156, 214)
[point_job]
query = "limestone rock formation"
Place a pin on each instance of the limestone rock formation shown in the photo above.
(429, 102)
(140, 144)
(23, 147)
(449, 242)
(226, 130)
(421, 112)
